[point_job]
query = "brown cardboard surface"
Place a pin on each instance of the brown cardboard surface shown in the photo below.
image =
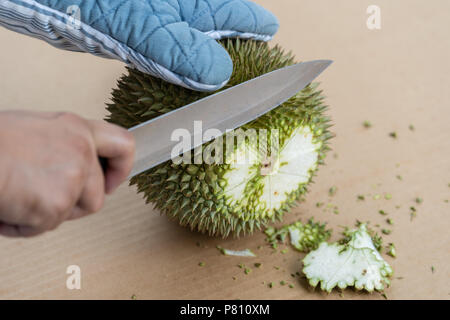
(393, 77)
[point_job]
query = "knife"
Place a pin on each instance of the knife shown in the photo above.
(225, 110)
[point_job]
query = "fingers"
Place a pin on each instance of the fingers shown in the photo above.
(219, 17)
(14, 231)
(93, 194)
(202, 63)
(77, 213)
(117, 146)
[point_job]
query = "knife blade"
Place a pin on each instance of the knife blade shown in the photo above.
(225, 110)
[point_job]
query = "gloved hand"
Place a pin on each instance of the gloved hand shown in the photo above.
(169, 39)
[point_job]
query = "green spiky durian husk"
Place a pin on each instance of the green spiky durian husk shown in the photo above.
(194, 194)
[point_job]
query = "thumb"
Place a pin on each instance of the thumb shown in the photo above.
(195, 58)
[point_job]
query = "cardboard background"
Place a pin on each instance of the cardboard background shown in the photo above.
(393, 77)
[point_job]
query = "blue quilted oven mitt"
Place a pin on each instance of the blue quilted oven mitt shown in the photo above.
(170, 39)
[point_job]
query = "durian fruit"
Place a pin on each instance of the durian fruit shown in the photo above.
(236, 197)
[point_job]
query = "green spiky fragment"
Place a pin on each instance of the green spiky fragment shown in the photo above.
(332, 191)
(354, 263)
(390, 250)
(308, 236)
(303, 236)
(236, 197)
(275, 236)
(367, 124)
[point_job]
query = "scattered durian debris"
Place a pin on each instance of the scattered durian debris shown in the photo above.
(133, 297)
(391, 250)
(332, 207)
(393, 135)
(367, 124)
(201, 264)
(360, 197)
(304, 236)
(353, 262)
(241, 265)
(388, 196)
(319, 204)
(399, 177)
(271, 285)
(247, 270)
(413, 213)
(390, 221)
(242, 253)
(282, 282)
(291, 285)
(258, 265)
(418, 200)
(376, 197)
(411, 127)
(275, 236)
(382, 212)
(386, 231)
(285, 250)
(332, 191)
(432, 269)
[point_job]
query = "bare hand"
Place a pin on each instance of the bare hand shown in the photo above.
(50, 172)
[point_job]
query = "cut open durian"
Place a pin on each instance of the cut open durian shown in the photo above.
(234, 197)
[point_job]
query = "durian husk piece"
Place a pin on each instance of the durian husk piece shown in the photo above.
(200, 195)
